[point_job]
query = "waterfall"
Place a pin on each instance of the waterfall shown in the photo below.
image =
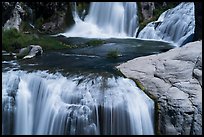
(175, 25)
(44, 103)
(105, 20)
(75, 13)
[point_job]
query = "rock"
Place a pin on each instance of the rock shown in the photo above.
(30, 51)
(147, 9)
(174, 78)
(54, 17)
(56, 23)
(15, 19)
(7, 8)
(35, 51)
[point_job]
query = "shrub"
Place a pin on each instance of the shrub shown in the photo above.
(113, 54)
(95, 42)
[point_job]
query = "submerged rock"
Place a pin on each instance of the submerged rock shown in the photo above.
(174, 78)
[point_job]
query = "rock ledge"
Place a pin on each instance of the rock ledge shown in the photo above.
(174, 78)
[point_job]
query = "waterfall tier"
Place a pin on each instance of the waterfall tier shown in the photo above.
(174, 25)
(105, 20)
(43, 103)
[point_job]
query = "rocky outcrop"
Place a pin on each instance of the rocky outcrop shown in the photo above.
(147, 9)
(45, 17)
(15, 20)
(55, 24)
(30, 51)
(7, 8)
(174, 79)
(51, 17)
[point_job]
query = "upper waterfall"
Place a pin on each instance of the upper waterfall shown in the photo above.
(174, 25)
(105, 20)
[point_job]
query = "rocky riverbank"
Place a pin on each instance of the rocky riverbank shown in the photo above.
(174, 79)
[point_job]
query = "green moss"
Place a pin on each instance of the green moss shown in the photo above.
(95, 42)
(12, 41)
(113, 54)
(39, 22)
(139, 84)
(156, 118)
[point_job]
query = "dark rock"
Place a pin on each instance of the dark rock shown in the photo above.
(198, 21)
(7, 8)
(147, 10)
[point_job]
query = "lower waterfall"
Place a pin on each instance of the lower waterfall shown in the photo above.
(45, 103)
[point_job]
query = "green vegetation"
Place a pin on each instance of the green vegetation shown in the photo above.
(113, 54)
(95, 42)
(139, 84)
(140, 15)
(12, 41)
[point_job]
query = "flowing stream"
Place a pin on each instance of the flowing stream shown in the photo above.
(77, 91)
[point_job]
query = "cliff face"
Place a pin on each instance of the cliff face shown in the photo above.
(48, 17)
(174, 79)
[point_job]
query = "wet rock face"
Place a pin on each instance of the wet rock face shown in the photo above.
(175, 79)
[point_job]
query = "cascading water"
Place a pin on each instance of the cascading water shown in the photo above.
(43, 103)
(174, 25)
(75, 12)
(105, 20)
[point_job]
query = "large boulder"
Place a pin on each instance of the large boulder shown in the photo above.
(174, 79)
(30, 51)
